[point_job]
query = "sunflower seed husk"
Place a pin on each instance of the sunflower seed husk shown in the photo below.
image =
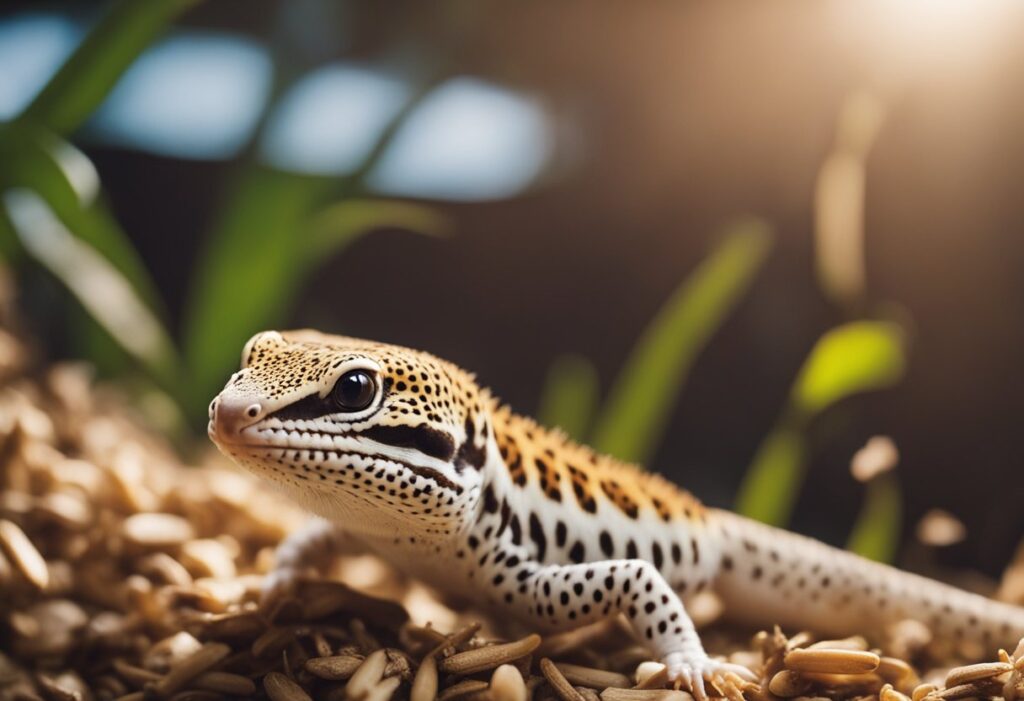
(225, 683)
(281, 688)
(333, 668)
(975, 672)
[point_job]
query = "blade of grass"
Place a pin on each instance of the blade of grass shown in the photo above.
(876, 533)
(570, 395)
(117, 39)
(773, 482)
(856, 357)
(34, 158)
(637, 410)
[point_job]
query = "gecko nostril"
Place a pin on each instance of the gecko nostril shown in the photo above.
(253, 411)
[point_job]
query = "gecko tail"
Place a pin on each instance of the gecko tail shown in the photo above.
(770, 576)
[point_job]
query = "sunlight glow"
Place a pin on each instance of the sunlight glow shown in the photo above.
(468, 141)
(194, 95)
(32, 48)
(327, 123)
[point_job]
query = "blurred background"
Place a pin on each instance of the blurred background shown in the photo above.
(735, 241)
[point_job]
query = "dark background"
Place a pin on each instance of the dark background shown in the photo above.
(676, 117)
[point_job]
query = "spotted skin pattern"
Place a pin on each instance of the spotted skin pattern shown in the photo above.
(438, 478)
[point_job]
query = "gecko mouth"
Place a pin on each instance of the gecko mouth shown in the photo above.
(252, 450)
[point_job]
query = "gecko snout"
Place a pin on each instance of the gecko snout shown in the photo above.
(230, 415)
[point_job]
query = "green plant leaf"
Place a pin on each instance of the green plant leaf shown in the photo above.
(85, 79)
(570, 395)
(63, 176)
(876, 533)
(338, 224)
(106, 294)
(855, 357)
(772, 484)
(638, 407)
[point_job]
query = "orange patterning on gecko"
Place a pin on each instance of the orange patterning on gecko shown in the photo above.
(403, 453)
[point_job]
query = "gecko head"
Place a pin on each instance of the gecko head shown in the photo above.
(375, 436)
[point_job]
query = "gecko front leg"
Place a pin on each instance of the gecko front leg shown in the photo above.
(566, 596)
(307, 550)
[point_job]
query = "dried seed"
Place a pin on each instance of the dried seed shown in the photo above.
(975, 672)
(64, 688)
(164, 569)
(367, 675)
(650, 674)
(207, 557)
(613, 694)
(281, 688)
(156, 530)
(234, 626)
(855, 642)
(168, 652)
(887, 693)
(506, 685)
(895, 671)
(23, 554)
(191, 667)
(135, 676)
(832, 661)
(69, 510)
(788, 684)
(383, 690)
(922, 690)
(489, 657)
(424, 684)
(463, 688)
(320, 644)
(225, 683)
(333, 668)
(979, 687)
(272, 642)
(593, 678)
(558, 681)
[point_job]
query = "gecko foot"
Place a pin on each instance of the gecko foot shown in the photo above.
(694, 672)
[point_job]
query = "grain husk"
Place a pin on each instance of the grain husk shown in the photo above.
(831, 661)
(23, 554)
(558, 681)
(489, 657)
(280, 688)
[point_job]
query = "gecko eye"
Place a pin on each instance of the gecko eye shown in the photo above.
(354, 391)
